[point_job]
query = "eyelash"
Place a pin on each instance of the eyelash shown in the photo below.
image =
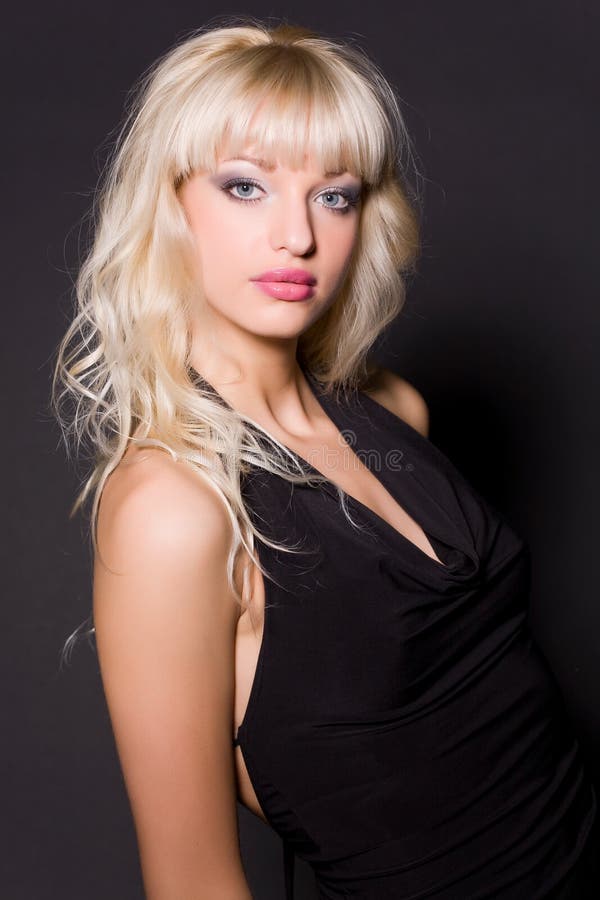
(351, 198)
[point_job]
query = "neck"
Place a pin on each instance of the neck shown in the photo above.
(259, 378)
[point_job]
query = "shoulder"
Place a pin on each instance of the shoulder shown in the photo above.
(152, 504)
(400, 397)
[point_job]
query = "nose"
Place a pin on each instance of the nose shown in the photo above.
(291, 227)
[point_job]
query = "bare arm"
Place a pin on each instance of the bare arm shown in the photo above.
(165, 627)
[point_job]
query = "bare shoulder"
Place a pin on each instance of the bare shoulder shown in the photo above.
(152, 502)
(400, 397)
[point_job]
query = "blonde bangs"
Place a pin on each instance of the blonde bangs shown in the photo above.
(285, 103)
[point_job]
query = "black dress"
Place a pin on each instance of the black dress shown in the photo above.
(404, 734)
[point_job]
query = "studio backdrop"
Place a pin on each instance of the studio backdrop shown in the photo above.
(499, 333)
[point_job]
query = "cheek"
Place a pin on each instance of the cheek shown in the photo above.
(222, 252)
(210, 235)
(219, 260)
(340, 246)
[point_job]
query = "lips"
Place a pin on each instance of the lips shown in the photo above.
(293, 276)
(286, 290)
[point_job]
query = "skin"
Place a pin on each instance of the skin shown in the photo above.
(176, 657)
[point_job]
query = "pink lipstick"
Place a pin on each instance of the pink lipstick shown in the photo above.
(286, 284)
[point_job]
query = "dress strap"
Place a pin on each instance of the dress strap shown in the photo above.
(288, 870)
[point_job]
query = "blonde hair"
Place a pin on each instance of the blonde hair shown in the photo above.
(124, 359)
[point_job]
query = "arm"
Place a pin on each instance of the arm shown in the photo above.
(165, 628)
(401, 398)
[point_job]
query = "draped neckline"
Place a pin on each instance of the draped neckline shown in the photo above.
(346, 418)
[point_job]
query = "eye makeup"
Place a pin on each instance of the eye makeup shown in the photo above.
(351, 196)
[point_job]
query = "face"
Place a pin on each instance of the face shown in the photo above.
(247, 220)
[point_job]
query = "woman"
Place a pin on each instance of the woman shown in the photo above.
(298, 600)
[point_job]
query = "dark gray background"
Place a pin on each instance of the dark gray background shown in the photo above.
(499, 333)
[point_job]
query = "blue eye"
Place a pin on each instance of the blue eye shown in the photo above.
(241, 182)
(247, 184)
(351, 199)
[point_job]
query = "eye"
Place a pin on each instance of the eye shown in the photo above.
(248, 185)
(335, 195)
(351, 199)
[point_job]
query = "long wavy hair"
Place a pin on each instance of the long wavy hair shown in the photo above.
(124, 359)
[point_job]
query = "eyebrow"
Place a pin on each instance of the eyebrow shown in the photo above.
(269, 167)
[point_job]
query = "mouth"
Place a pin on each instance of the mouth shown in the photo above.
(286, 290)
(288, 276)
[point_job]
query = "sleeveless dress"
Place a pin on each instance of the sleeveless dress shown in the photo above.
(404, 734)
